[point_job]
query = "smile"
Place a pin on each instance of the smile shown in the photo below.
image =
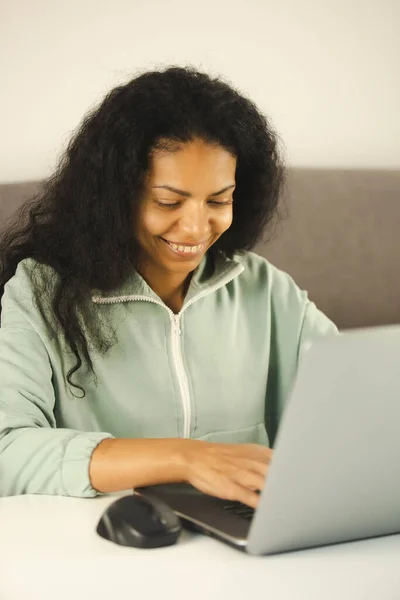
(183, 250)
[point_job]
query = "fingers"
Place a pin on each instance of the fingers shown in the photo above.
(240, 481)
(249, 480)
(253, 466)
(258, 453)
(230, 471)
(237, 493)
(254, 452)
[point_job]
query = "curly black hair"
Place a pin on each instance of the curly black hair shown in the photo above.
(81, 223)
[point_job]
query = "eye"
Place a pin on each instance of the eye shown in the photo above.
(167, 204)
(216, 203)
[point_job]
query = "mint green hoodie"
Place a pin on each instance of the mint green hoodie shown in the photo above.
(220, 370)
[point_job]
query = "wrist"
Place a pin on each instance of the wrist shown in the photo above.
(184, 458)
(179, 459)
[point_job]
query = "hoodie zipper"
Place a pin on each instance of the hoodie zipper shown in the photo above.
(181, 373)
(176, 344)
(176, 341)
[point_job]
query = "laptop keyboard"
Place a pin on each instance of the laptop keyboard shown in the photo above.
(242, 510)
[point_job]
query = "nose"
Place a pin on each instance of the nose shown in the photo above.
(193, 222)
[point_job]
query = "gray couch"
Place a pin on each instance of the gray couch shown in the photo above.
(340, 240)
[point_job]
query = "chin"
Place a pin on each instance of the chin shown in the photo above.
(184, 266)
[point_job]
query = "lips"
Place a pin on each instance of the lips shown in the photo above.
(186, 250)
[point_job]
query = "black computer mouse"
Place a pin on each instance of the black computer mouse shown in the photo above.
(137, 521)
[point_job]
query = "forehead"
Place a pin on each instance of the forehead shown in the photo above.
(195, 162)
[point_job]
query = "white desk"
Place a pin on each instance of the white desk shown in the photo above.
(49, 549)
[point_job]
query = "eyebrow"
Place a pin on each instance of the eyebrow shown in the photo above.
(188, 194)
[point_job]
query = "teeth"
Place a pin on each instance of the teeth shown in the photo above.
(186, 249)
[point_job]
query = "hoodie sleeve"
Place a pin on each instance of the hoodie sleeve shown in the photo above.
(35, 456)
(315, 325)
(297, 322)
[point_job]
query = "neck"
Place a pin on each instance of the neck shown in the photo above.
(171, 288)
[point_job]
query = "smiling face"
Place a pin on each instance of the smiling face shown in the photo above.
(186, 207)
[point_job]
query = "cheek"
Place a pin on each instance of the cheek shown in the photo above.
(155, 223)
(224, 221)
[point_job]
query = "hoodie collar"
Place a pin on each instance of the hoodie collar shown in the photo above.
(211, 274)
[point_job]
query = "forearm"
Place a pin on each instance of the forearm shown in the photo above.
(121, 464)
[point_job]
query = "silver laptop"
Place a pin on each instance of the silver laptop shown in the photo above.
(335, 472)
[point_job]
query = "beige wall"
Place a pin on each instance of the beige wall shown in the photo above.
(326, 71)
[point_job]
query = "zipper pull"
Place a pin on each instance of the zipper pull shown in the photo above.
(177, 325)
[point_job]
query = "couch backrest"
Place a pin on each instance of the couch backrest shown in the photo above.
(340, 240)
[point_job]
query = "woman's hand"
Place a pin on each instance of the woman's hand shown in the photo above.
(228, 471)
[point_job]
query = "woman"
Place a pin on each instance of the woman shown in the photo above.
(141, 342)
